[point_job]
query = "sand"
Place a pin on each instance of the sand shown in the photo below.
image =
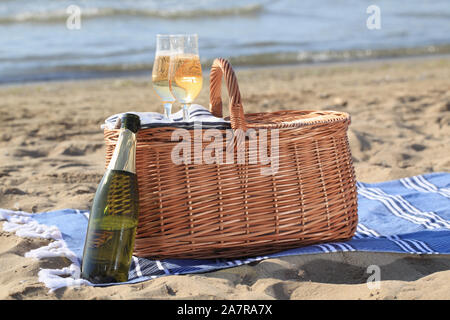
(52, 157)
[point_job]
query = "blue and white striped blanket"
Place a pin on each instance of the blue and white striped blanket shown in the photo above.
(410, 215)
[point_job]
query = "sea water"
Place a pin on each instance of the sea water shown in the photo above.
(47, 39)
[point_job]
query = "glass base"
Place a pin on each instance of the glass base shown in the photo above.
(168, 110)
(186, 116)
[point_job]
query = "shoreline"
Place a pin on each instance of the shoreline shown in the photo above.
(141, 74)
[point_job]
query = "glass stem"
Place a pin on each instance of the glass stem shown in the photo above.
(168, 110)
(186, 111)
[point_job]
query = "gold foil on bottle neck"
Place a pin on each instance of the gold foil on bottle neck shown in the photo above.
(124, 156)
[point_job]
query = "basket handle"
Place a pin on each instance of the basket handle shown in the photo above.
(221, 67)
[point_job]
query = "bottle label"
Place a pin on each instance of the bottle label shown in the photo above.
(124, 156)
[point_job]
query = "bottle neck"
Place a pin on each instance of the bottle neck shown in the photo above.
(124, 156)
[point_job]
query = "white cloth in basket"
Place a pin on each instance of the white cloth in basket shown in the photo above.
(197, 113)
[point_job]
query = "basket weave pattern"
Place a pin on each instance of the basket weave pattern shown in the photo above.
(232, 210)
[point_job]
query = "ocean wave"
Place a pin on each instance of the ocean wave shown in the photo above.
(40, 72)
(77, 56)
(92, 13)
(276, 58)
(426, 15)
(305, 57)
(268, 44)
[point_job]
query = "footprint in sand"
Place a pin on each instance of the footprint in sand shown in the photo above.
(409, 98)
(32, 153)
(74, 164)
(418, 147)
(359, 143)
(69, 148)
(15, 191)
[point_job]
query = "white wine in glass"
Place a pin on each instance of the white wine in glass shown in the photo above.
(185, 72)
(160, 73)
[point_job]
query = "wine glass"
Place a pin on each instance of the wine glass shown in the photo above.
(185, 71)
(160, 73)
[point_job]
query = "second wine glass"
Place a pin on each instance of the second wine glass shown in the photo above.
(160, 73)
(185, 71)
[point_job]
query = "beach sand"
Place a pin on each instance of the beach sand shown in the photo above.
(52, 157)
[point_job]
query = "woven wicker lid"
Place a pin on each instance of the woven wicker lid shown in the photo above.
(294, 118)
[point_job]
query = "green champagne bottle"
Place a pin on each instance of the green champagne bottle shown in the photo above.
(113, 220)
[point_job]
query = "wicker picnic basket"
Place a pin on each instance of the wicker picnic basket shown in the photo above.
(228, 210)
